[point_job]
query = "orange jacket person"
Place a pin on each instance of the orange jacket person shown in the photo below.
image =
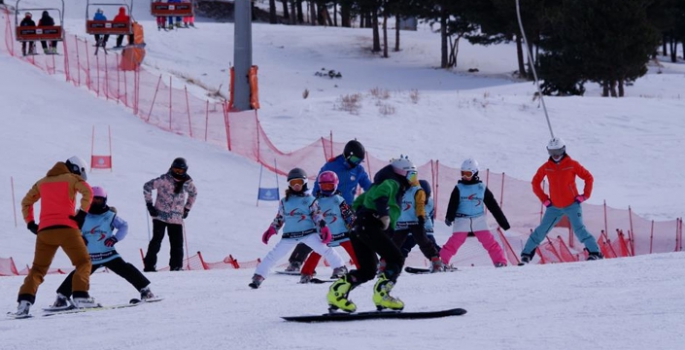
(58, 227)
(563, 199)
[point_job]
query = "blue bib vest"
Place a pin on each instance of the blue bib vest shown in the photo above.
(430, 208)
(298, 216)
(471, 200)
(330, 208)
(408, 215)
(96, 229)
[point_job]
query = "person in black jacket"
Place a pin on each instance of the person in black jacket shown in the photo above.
(28, 22)
(47, 21)
(466, 210)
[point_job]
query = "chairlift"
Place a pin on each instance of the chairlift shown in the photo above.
(174, 9)
(52, 33)
(109, 27)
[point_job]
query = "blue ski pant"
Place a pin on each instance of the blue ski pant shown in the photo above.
(552, 216)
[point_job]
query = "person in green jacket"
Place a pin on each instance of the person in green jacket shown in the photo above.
(377, 211)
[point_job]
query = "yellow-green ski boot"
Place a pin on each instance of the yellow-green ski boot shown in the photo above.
(337, 296)
(382, 297)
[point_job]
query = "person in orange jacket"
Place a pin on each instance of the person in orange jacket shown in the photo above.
(59, 227)
(563, 199)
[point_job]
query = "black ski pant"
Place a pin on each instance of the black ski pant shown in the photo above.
(102, 43)
(419, 235)
(369, 240)
(44, 44)
(120, 40)
(175, 241)
(129, 272)
(31, 45)
(300, 254)
(410, 243)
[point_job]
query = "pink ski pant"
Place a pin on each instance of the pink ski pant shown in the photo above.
(484, 237)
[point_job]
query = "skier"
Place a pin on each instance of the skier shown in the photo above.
(170, 209)
(563, 199)
(339, 219)
(188, 20)
(467, 212)
(160, 20)
(98, 233)
(377, 211)
(412, 221)
(302, 221)
(351, 173)
(47, 21)
(171, 18)
(100, 16)
(410, 242)
(122, 17)
(28, 22)
(58, 227)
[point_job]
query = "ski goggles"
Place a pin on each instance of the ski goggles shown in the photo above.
(412, 176)
(178, 171)
(354, 159)
(327, 187)
(556, 152)
(466, 173)
(295, 182)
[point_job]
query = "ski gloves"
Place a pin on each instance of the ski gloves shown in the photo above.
(32, 227)
(267, 234)
(152, 210)
(185, 212)
(110, 242)
(547, 203)
(580, 198)
(80, 217)
(326, 235)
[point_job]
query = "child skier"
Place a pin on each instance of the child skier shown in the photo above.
(98, 233)
(466, 211)
(339, 219)
(410, 242)
(300, 218)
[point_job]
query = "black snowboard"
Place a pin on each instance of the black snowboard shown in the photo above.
(373, 315)
(418, 270)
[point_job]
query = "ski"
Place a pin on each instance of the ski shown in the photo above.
(372, 315)
(419, 270)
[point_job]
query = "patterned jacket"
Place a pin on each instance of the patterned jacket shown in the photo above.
(170, 205)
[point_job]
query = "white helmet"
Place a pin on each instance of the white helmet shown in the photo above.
(78, 166)
(470, 165)
(556, 147)
(403, 165)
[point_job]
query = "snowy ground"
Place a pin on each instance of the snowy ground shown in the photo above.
(631, 146)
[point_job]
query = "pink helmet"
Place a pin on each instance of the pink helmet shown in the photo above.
(328, 182)
(99, 192)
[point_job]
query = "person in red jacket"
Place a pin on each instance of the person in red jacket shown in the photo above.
(122, 17)
(59, 227)
(563, 199)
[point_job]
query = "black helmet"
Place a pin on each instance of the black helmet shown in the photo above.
(426, 186)
(356, 149)
(179, 163)
(297, 173)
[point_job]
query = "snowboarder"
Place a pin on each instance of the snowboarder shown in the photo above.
(377, 211)
(58, 227)
(98, 234)
(563, 199)
(302, 221)
(466, 210)
(339, 219)
(170, 209)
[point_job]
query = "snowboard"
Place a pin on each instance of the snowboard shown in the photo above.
(320, 281)
(133, 302)
(420, 270)
(291, 273)
(374, 315)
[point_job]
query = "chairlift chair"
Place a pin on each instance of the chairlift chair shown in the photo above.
(108, 27)
(39, 33)
(176, 9)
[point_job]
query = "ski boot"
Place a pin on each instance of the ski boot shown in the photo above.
(22, 309)
(339, 272)
(85, 303)
(305, 278)
(337, 296)
(293, 267)
(256, 281)
(595, 256)
(437, 265)
(525, 259)
(500, 264)
(382, 297)
(61, 303)
(146, 294)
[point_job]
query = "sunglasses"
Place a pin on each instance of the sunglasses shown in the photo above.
(327, 187)
(295, 182)
(178, 171)
(354, 159)
(466, 173)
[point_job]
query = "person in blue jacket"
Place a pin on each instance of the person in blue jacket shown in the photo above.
(351, 173)
(100, 16)
(171, 18)
(99, 235)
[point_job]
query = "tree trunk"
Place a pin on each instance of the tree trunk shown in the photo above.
(300, 14)
(664, 47)
(454, 51)
(519, 57)
(376, 34)
(321, 14)
(605, 89)
(621, 90)
(312, 12)
(273, 19)
(293, 12)
(674, 50)
(286, 14)
(613, 88)
(397, 33)
(345, 19)
(335, 13)
(443, 39)
(385, 33)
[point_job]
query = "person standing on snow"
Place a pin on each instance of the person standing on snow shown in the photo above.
(170, 209)
(302, 221)
(98, 233)
(466, 210)
(351, 173)
(59, 227)
(563, 199)
(410, 242)
(377, 211)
